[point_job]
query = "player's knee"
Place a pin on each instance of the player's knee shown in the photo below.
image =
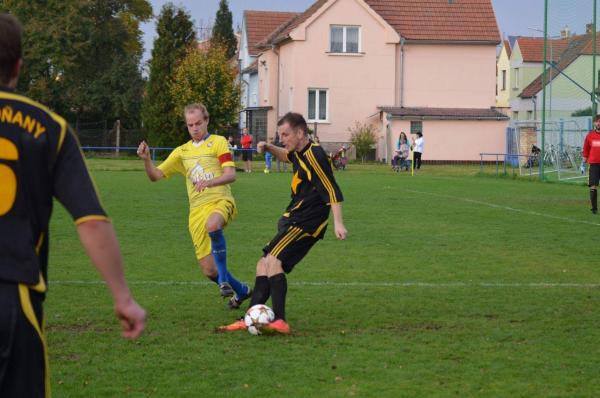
(212, 226)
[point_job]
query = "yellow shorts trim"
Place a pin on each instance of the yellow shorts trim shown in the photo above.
(30, 315)
(197, 224)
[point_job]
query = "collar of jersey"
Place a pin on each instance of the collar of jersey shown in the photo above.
(5, 88)
(201, 141)
(306, 147)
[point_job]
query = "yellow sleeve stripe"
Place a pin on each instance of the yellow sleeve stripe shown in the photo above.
(303, 165)
(81, 220)
(63, 132)
(228, 164)
(328, 186)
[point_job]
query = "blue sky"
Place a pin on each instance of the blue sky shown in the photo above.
(514, 16)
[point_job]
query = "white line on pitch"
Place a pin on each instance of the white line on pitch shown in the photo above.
(495, 206)
(361, 284)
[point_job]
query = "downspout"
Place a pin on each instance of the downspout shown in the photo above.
(402, 40)
(277, 95)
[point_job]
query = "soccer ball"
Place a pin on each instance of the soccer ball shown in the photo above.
(266, 171)
(258, 316)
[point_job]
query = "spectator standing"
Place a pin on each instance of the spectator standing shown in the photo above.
(246, 143)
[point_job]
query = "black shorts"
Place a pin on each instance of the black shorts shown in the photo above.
(247, 154)
(291, 244)
(22, 344)
(594, 174)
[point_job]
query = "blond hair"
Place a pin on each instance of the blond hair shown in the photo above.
(196, 106)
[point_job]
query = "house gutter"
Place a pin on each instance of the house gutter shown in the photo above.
(278, 77)
(402, 41)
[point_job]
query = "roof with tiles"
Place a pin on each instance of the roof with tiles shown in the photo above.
(423, 20)
(532, 48)
(259, 24)
(578, 45)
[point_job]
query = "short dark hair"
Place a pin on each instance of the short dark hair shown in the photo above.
(295, 120)
(597, 117)
(419, 134)
(10, 46)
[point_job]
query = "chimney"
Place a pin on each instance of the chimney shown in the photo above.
(565, 32)
(589, 28)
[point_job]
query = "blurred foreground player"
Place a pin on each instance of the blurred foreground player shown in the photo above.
(40, 159)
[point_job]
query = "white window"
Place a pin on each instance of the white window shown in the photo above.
(516, 78)
(503, 80)
(318, 105)
(529, 115)
(344, 39)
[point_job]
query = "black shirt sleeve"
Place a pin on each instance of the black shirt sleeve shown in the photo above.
(73, 186)
(322, 175)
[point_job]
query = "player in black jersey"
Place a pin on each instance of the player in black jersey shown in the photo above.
(40, 159)
(314, 193)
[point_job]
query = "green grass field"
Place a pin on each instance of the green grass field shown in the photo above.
(450, 284)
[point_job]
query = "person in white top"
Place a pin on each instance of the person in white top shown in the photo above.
(418, 148)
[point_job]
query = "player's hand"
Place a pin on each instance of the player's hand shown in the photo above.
(143, 151)
(201, 185)
(261, 147)
(340, 231)
(132, 317)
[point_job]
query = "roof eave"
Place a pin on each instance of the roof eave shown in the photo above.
(483, 42)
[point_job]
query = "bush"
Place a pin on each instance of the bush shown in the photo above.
(363, 137)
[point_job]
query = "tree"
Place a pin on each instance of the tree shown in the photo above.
(583, 112)
(176, 35)
(82, 58)
(362, 136)
(222, 33)
(207, 77)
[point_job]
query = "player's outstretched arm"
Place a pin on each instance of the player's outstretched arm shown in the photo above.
(227, 177)
(338, 221)
(100, 242)
(154, 174)
(279, 152)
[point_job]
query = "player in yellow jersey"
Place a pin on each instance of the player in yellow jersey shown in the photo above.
(207, 165)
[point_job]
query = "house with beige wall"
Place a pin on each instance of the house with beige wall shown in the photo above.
(503, 78)
(400, 66)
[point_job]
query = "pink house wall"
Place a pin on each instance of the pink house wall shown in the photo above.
(456, 139)
(450, 76)
(356, 83)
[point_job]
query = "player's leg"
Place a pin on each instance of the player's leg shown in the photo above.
(214, 225)
(23, 360)
(594, 179)
(202, 248)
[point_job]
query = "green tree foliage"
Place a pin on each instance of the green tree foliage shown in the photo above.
(583, 112)
(175, 36)
(82, 57)
(222, 33)
(363, 137)
(207, 77)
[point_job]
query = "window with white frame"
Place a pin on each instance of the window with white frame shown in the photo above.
(516, 83)
(344, 39)
(318, 105)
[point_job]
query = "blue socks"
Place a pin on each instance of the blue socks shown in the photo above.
(219, 252)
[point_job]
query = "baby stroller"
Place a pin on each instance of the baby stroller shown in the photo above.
(339, 159)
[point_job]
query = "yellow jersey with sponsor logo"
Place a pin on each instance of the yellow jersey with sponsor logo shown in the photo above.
(201, 161)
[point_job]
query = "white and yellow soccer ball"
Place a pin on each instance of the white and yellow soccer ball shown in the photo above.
(257, 317)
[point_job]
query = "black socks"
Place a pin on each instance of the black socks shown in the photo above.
(594, 199)
(261, 291)
(278, 284)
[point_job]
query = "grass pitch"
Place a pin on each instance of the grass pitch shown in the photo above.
(449, 284)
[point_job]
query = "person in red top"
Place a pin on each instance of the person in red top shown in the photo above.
(246, 142)
(591, 156)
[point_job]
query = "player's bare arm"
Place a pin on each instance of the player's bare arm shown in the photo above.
(279, 152)
(154, 174)
(101, 245)
(338, 221)
(227, 177)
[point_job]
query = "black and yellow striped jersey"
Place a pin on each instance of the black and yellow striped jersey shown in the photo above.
(40, 159)
(313, 189)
